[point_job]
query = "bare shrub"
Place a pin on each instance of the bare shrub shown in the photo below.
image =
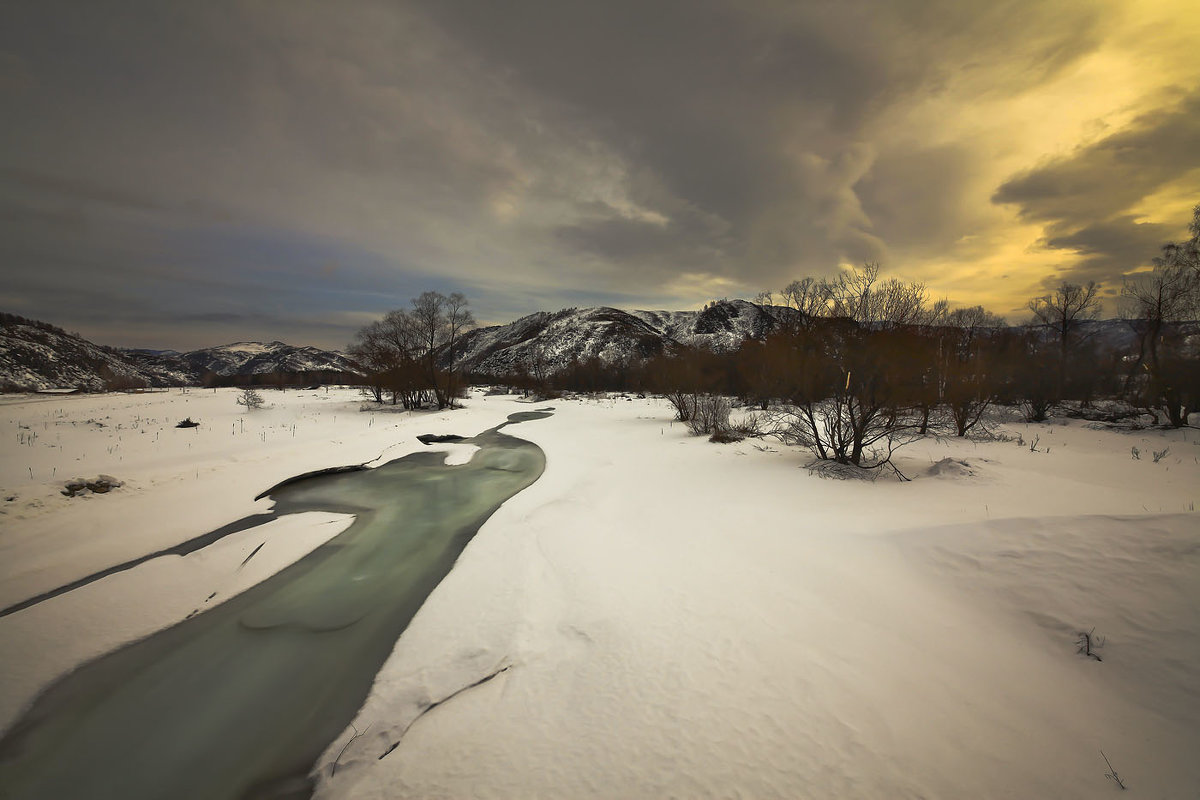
(1037, 409)
(710, 415)
(250, 399)
(839, 429)
(684, 404)
(749, 428)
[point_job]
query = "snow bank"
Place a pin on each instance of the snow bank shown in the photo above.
(663, 616)
(666, 617)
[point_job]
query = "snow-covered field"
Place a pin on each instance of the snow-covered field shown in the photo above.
(664, 616)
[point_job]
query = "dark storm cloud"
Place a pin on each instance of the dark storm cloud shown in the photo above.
(1112, 174)
(73, 190)
(669, 91)
(537, 153)
(1083, 199)
(619, 239)
(1112, 247)
(747, 112)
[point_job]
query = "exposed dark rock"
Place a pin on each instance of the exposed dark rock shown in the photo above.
(432, 438)
(101, 484)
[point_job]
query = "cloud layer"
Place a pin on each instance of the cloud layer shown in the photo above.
(182, 174)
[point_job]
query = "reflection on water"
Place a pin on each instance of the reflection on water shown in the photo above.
(241, 700)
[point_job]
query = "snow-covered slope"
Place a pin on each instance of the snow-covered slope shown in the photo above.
(549, 342)
(257, 358)
(35, 355)
(610, 334)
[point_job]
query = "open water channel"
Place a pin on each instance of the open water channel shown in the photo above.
(241, 700)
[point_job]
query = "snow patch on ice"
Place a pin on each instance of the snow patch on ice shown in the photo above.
(456, 453)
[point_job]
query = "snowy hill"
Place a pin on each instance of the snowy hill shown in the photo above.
(36, 355)
(610, 334)
(257, 358)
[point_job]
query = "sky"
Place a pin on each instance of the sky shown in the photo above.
(186, 174)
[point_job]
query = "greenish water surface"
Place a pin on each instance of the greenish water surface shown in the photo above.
(240, 701)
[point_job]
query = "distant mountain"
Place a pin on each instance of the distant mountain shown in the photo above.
(257, 358)
(610, 334)
(36, 355)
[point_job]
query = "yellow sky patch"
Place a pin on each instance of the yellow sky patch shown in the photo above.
(1147, 58)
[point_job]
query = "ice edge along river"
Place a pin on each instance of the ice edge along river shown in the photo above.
(241, 700)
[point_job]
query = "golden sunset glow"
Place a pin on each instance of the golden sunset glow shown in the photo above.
(1144, 64)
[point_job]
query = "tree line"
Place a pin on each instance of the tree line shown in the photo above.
(858, 363)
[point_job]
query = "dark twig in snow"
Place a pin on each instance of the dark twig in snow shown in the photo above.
(357, 734)
(445, 699)
(1112, 773)
(1086, 642)
(253, 553)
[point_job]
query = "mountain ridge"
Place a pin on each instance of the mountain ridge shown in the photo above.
(36, 356)
(552, 340)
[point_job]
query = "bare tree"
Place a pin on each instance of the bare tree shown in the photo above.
(678, 377)
(808, 296)
(429, 319)
(860, 295)
(439, 322)
(539, 364)
(846, 399)
(1186, 254)
(969, 371)
(458, 320)
(370, 356)
(1153, 303)
(403, 353)
(1063, 314)
(389, 352)
(1067, 308)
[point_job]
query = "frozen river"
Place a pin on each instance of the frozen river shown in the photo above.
(241, 700)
